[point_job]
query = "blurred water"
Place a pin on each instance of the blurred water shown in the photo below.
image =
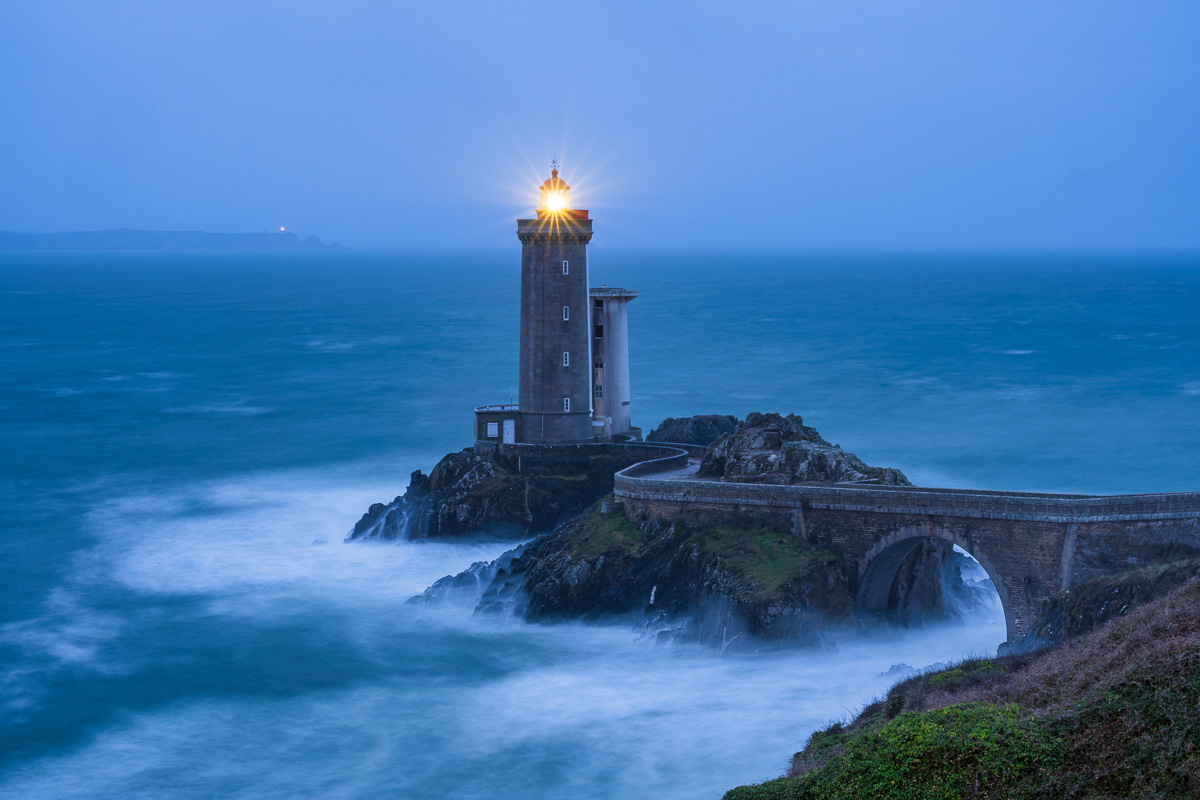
(180, 432)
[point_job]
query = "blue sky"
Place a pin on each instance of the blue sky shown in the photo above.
(851, 125)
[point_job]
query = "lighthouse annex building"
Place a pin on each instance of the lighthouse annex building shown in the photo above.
(574, 343)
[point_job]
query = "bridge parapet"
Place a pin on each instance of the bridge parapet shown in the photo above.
(633, 483)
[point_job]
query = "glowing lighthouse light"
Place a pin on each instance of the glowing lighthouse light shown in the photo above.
(555, 194)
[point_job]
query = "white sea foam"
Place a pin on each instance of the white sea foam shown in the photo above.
(449, 703)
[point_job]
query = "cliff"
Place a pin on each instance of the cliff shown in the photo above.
(1083, 608)
(1110, 713)
(722, 585)
(770, 448)
(467, 494)
(702, 429)
(727, 585)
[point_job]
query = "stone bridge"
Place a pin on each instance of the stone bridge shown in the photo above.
(1031, 545)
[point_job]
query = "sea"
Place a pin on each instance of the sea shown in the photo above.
(187, 438)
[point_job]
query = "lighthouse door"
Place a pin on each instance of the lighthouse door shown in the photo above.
(510, 431)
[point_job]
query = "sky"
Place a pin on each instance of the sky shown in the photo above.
(850, 125)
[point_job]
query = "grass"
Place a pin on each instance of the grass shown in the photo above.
(970, 750)
(768, 558)
(611, 535)
(763, 560)
(1112, 714)
(1085, 606)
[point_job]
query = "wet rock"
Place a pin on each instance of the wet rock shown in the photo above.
(467, 494)
(1086, 606)
(770, 448)
(701, 429)
(726, 587)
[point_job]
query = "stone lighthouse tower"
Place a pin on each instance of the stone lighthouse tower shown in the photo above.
(574, 347)
(555, 391)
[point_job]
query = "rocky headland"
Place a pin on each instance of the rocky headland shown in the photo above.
(468, 494)
(702, 429)
(1098, 699)
(726, 585)
(770, 448)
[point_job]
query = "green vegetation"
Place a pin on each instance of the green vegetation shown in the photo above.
(594, 535)
(970, 750)
(1085, 607)
(1112, 714)
(767, 558)
(955, 676)
(762, 560)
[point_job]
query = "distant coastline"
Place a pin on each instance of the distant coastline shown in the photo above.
(127, 239)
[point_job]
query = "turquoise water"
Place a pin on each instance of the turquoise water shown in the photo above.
(179, 433)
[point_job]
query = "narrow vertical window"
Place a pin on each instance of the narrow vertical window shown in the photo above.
(566, 268)
(566, 359)
(566, 404)
(566, 313)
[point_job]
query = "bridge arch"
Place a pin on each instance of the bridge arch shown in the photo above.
(880, 565)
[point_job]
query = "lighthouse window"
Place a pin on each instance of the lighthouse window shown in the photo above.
(493, 430)
(566, 359)
(599, 392)
(566, 313)
(566, 267)
(599, 303)
(599, 331)
(566, 404)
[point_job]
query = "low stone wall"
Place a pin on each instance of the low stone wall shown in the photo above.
(565, 458)
(632, 484)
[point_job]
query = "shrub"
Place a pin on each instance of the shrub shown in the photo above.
(978, 750)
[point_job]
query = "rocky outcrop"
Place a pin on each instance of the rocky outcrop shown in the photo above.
(701, 429)
(722, 585)
(770, 448)
(1085, 607)
(468, 494)
(935, 583)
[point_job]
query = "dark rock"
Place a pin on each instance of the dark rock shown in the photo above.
(918, 590)
(467, 494)
(770, 448)
(725, 586)
(1085, 607)
(702, 429)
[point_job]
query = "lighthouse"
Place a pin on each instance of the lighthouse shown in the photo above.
(573, 352)
(555, 371)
